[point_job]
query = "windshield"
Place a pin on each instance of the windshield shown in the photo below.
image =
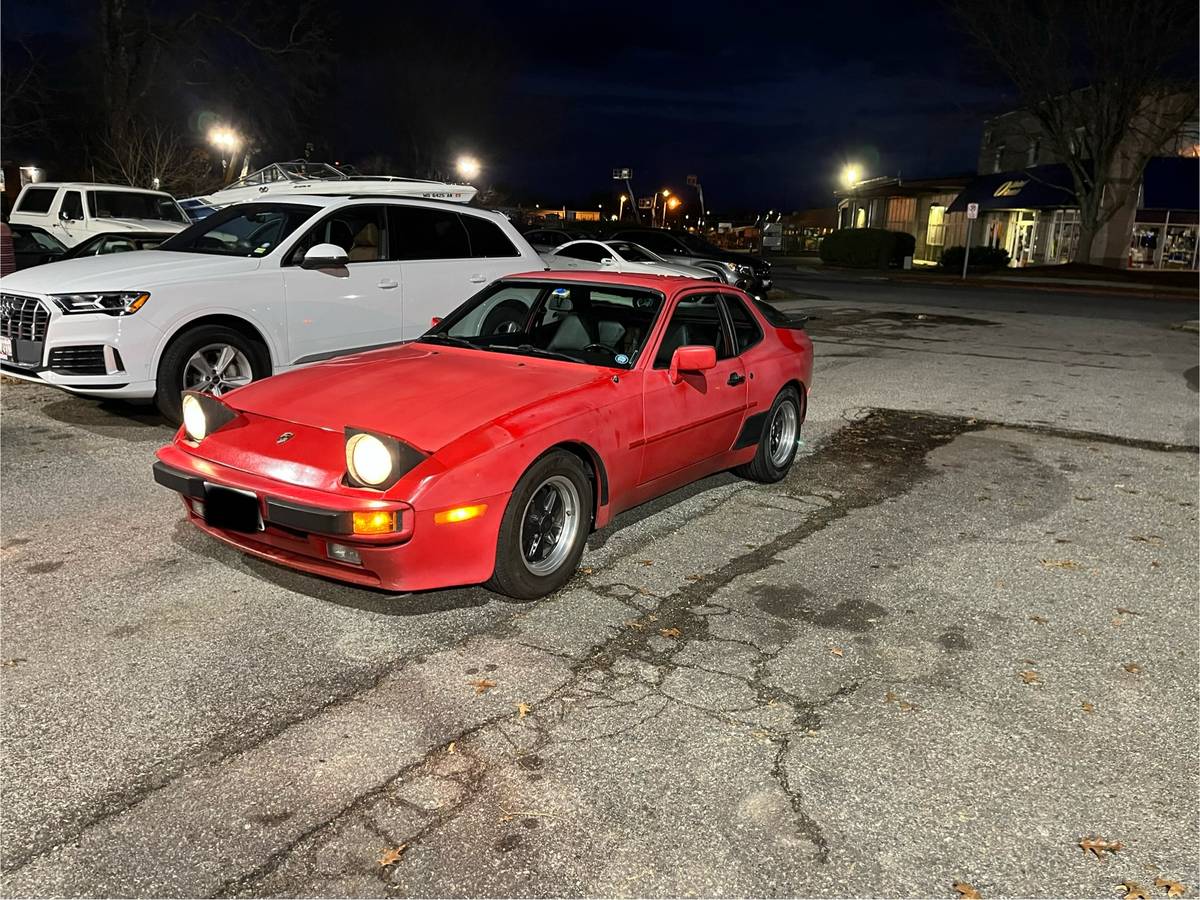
(599, 325)
(247, 229)
(634, 252)
(132, 205)
(34, 240)
(695, 242)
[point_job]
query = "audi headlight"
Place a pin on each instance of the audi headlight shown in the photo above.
(204, 414)
(112, 303)
(377, 460)
(730, 266)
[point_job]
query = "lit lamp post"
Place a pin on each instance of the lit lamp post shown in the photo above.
(654, 206)
(467, 167)
(621, 210)
(226, 141)
(672, 204)
(851, 175)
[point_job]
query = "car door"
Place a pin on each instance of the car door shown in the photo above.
(344, 308)
(700, 417)
(441, 270)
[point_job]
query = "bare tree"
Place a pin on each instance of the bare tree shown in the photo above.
(151, 156)
(23, 96)
(1109, 84)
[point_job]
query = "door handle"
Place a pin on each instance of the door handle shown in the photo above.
(477, 279)
(735, 379)
(387, 284)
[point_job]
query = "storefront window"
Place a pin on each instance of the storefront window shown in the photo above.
(1179, 248)
(1143, 246)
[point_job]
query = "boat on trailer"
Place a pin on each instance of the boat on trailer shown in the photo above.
(281, 180)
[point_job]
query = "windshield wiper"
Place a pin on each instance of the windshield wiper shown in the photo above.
(536, 351)
(449, 339)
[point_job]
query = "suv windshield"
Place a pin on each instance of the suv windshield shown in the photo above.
(699, 244)
(247, 229)
(133, 205)
(593, 324)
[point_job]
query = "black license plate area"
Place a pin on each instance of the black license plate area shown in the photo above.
(232, 510)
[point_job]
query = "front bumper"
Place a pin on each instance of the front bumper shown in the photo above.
(93, 354)
(299, 524)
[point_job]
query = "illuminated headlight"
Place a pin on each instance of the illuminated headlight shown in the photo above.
(204, 414)
(114, 303)
(368, 459)
(194, 421)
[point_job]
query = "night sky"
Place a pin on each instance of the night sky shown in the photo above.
(764, 101)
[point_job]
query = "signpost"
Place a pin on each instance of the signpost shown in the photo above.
(694, 181)
(626, 175)
(972, 215)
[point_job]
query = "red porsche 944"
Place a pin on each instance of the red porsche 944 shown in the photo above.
(487, 450)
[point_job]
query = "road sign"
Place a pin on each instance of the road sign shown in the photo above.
(693, 180)
(622, 174)
(972, 210)
(645, 202)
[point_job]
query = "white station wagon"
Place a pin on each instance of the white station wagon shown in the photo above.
(253, 289)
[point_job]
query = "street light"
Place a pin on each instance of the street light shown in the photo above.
(851, 175)
(468, 167)
(227, 141)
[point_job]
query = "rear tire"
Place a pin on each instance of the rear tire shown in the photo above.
(177, 371)
(544, 529)
(778, 442)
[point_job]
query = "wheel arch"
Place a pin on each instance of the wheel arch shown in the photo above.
(594, 465)
(239, 324)
(803, 392)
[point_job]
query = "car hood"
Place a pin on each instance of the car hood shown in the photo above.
(424, 395)
(141, 270)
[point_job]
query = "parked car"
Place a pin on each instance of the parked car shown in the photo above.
(750, 273)
(73, 212)
(253, 289)
(31, 246)
(543, 240)
(619, 256)
(118, 242)
(472, 456)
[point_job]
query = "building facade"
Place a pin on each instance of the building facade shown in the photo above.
(919, 206)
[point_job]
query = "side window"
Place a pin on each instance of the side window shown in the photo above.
(36, 200)
(487, 239)
(746, 332)
(696, 320)
(420, 233)
(72, 205)
(356, 229)
(590, 251)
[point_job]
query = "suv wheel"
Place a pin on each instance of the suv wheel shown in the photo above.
(211, 358)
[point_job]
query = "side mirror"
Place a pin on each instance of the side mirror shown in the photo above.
(608, 261)
(691, 358)
(64, 216)
(435, 321)
(324, 256)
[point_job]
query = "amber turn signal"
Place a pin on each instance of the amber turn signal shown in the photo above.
(459, 514)
(381, 521)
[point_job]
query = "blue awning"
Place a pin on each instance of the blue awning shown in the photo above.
(1172, 182)
(1037, 187)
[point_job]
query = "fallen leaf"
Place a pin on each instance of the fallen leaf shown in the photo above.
(1060, 564)
(587, 570)
(695, 578)
(889, 697)
(1098, 846)
(1077, 497)
(450, 749)
(523, 709)
(1030, 677)
(482, 684)
(634, 623)
(905, 706)
(392, 856)
(646, 562)
(966, 891)
(15, 661)
(1125, 611)
(670, 632)
(1132, 668)
(1134, 891)
(1039, 620)
(1174, 888)
(1087, 707)
(838, 651)
(1146, 538)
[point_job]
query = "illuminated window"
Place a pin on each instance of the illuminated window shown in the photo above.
(935, 234)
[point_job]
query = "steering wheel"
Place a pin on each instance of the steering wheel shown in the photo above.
(603, 347)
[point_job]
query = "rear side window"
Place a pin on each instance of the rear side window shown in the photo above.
(487, 239)
(589, 251)
(36, 200)
(418, 233)
(746, 332)
(72, 205)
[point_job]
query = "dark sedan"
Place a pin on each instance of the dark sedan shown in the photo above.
(750, 273)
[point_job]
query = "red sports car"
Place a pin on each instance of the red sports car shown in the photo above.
(486, 450)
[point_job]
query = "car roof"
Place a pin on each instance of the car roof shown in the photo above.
(661, 283)
(93, 185)
(335, 200)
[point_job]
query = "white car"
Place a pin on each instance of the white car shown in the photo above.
(619, 256)
(254, 289)
(74, 212)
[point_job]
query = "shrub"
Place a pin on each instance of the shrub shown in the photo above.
(871, 248)
(981, 258)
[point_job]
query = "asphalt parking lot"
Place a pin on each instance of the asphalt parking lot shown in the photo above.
(958, 639)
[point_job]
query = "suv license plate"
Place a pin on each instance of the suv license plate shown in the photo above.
(231, 509)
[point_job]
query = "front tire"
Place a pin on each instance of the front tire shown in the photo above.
(211, 358)
(778, 442)
(544, 529)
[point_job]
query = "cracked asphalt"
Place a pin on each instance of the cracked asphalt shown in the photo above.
(960, 637)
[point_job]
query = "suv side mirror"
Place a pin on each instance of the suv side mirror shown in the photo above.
(64, 216)
(691, 358)
(324, 256)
